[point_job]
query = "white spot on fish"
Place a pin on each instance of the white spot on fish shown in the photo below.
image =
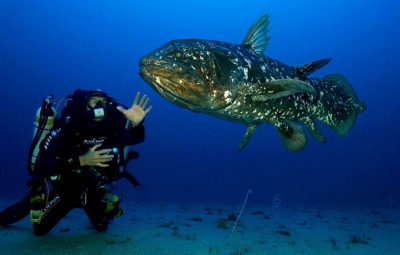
(246, 73)
(263, 68)
(227, 93)
(248, 62)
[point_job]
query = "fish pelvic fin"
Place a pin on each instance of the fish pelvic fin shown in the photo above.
(304, 70)
(314, 129)
(292, 136)
(346, 102)
(257, 37)
(279, 88)
(246, 138)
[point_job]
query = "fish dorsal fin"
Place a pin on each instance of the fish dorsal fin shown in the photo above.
(277, 89)
(257, 37)
(304, 70)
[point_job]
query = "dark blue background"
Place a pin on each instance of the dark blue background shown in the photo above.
(57, 46)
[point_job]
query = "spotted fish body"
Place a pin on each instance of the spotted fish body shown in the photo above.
(238, 83)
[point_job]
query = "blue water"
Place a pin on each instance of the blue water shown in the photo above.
(54, 47)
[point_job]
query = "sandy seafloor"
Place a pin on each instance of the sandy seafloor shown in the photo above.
(171, 228)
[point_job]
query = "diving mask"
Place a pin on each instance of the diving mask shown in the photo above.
(96, 105)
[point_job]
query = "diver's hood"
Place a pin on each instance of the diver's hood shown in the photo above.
(76, 115)
(92, 93)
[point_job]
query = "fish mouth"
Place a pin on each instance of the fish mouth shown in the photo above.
(173, 82)
(160, 85)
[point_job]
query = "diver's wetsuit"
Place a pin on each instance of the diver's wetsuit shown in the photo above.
(76, 186)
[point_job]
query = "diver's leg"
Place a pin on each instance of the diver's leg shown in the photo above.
(94, 208)
(99, 208)
(56, 208)
(15, 212)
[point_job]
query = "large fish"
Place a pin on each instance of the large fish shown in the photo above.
(236, 82)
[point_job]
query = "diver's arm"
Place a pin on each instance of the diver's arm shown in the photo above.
(131, 135)
(56, 155)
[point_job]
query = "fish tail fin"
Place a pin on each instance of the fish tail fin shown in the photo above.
(341, 104)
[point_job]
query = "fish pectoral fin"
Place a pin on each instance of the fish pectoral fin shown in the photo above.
(292, 136)
(257, 38)
(280, 88)
(304, 70)
(249, 132)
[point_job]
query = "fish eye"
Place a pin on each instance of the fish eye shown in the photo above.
(178, 54)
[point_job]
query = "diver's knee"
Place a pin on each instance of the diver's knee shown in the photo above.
(39, 230)
(101, 227)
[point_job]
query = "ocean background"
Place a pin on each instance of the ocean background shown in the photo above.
(54, 47)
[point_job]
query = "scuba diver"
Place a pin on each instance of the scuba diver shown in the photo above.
(74, 159)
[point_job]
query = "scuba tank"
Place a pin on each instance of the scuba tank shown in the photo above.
(44, 122)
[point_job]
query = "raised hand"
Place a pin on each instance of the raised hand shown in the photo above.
(138, 110)
(96, 158)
